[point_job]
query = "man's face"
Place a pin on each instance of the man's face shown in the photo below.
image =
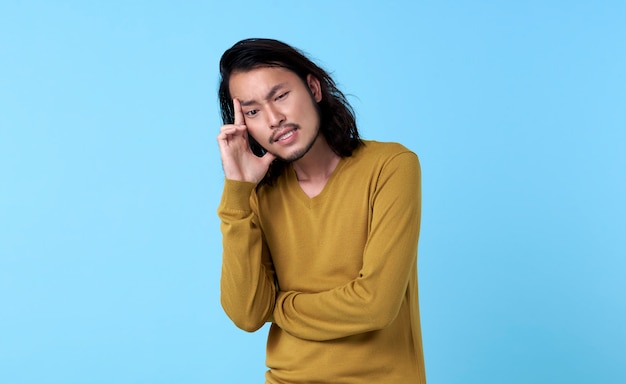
(279, 109)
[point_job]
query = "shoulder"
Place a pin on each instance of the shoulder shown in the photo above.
(376, 163)
(372, 153)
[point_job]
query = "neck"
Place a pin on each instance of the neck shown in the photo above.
(318, 163)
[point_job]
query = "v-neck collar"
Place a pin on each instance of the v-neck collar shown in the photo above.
(310, 202)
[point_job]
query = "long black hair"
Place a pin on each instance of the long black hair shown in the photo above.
(337, 119)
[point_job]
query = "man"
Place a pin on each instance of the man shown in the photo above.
(319, 227)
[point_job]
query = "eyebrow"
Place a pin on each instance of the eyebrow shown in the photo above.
(270, 95)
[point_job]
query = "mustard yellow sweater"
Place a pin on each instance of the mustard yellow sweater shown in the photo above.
(335, 274)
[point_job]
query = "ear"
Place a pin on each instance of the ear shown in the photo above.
(315, 87)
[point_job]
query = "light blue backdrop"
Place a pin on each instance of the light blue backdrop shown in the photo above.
(110, 178)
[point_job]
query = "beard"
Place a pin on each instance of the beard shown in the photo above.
(297, 155)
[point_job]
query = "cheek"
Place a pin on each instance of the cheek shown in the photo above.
(254, 131)
(312, 114)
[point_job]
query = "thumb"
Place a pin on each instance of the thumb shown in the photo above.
(268, 158)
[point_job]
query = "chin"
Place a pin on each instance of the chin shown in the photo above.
(291, 157)
(298, 153)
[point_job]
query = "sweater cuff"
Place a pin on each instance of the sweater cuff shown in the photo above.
(236, 195)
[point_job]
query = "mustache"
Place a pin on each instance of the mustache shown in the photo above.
(281, 130)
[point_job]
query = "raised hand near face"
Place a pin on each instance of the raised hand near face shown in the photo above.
(238, 161)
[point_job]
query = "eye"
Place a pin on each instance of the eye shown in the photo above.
(282, 96)
(252, 112)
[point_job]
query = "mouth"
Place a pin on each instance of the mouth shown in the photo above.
(283, 134)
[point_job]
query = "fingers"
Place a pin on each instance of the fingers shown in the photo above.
(230, 129)
(228, 132)
(239, 119)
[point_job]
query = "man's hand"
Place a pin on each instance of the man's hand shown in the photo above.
(238, 161)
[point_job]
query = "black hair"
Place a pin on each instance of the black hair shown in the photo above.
(337, 118)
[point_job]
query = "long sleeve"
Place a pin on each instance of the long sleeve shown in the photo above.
(372, 300)
(248, 290)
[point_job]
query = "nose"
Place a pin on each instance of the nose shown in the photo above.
(274, 117)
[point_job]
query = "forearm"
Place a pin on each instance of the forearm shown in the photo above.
(372, 299)
(368, 303)
(247, 283)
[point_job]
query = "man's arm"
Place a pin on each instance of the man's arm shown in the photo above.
(372, 300)
(247, 285)
(248, 291)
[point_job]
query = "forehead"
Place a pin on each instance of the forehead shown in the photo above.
(256, 83)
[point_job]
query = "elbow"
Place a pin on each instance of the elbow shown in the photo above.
(374, 311)
(247, 324)
(382, 316)
(244, 319)
(381, 321)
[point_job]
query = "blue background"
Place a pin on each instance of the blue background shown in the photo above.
(110, 177)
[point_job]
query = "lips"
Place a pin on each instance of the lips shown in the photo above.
(283, 134)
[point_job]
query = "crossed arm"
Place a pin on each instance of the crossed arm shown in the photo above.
(369, 302)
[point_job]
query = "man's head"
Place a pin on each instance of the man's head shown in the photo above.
(280, 111)
(336, 121)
